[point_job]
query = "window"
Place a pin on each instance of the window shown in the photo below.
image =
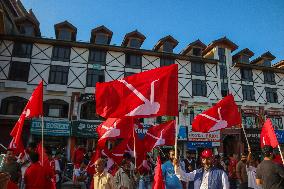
(167, 47)
(196, 51)
(101, 39)
(64, 34)
(245, 59)
(198, 69)
(94, 76)
(249, 121)
(61, 53)
(246, 74)
(248, 92)
(56, 108)
(97, 57)
(13, 105)
(199, 87)
(58, 75)
(224, 89)
(19, 71)
(133, 61)
(27, 30)
(223, 71)
(166, 61)
(126, 74)
(267, 63)
(271, 95)
(22, 50)
(135, 43)
(88, 111)
(222, 55)
(269, 77)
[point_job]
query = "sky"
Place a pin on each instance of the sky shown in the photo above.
(254, 24)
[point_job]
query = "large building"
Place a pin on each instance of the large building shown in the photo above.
(70, 70)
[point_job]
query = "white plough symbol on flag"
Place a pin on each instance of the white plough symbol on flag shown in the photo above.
(160, 140)
(220, 124)
(149, 107)
(111, 131)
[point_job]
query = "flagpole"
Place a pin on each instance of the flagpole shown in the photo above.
(176, 136)
(42, 125)
(134, 142)
(281, 154)
(246, 136)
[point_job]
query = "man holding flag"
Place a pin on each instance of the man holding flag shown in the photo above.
(269, 174)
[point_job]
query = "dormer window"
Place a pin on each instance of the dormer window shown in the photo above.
(167, 47)
(64, 34)
(245, 59)
(27, 30)
(267, 63)
(135, 43)
(196, 51)
(101, 39)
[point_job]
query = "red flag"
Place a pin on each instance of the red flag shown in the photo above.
(34, 108)
(150, 93)
(267, 135)
(114, 128)
(160, 135)
(158, 178)
(18, 148)
(223, 114)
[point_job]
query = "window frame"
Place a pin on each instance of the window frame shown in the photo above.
(247, 74)
(166, 61)
(63, 111)
(18, 47)
(199, 84)
(95, 75)
(16, 71)
(248, 92)
(58, 71)
(271, 95)
(130, 64)
(94, 53)
(269, 77)
(198, 69)
(56, 56)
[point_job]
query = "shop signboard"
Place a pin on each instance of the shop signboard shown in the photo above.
(182, 134)
(85, 129)
(253, 136)
(51, 127)
(195, 145)
(210, 137)
(280, 136)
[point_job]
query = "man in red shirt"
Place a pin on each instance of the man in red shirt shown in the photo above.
(35, 176)
(78, 156)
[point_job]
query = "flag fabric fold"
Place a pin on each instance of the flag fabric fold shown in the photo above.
(158, 178)
(149, 93)
(34, 108)
(267, 135)
(223, 114)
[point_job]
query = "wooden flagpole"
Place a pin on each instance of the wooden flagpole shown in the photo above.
(134, 143)
(42, 126)
(177, 129)
(281, 153)
(246, 136)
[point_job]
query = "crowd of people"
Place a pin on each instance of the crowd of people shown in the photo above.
(203, 171)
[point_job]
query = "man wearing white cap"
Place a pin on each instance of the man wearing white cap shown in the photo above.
(207, 177)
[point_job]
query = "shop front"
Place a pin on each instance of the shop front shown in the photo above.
(56, 134)
(84, 133)
(198, 141)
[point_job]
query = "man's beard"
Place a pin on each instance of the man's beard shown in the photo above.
(207, 167)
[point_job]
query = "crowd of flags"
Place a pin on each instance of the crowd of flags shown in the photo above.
(148, 94)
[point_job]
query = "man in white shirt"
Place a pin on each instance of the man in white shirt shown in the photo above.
(207, 177)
